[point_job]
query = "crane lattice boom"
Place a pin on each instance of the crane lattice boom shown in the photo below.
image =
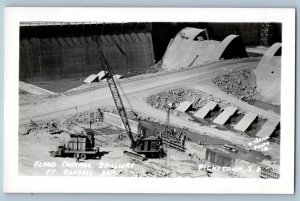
(115, 92)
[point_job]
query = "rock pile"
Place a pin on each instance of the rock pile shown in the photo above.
(53, 126)
(84, 118)
(241, 84)
(157, 67)
(198, 98)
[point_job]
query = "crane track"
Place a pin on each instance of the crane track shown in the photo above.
(134, 155)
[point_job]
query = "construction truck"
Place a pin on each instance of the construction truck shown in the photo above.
(80, 145)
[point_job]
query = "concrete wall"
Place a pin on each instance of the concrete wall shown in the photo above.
(68, 51)
(231, 47)
(249, 32)
(218, 158)
(116, 120)
(238, 166)
(185, 50)
(268, 75)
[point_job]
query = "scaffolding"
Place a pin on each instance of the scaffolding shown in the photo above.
(266, 34)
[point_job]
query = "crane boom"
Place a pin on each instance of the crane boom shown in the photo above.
(115, 92)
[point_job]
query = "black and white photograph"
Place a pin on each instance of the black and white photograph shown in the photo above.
(158, 99)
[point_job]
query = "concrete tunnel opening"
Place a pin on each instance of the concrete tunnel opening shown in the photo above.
(235, 49)
(278, 52)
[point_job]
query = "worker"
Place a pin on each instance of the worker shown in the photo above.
(77, 158)
(174, 134)
(139, 138)
(183, 138)
(120, 136)
(160, 135)
(159, 138)
(143, 133)
(180, 135)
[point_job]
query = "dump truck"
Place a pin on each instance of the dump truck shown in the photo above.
(80, 145)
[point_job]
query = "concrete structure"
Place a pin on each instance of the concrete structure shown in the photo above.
(246, 122)
(226, 115)
(91, 78)
(101, 75)
(233, 161)
(117, 77)
(163, 32)
(206, 110)
(269, 173)
(190, 47)
(148, 129)
(97, 78)
(268, 74)
(219, 157)
(116, 120)
(60, 50)
(231, 47)
(269, 128)
(184, 106)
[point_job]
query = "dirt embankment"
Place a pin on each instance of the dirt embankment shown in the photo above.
(241, 84)
(197, 98)
(26, 98)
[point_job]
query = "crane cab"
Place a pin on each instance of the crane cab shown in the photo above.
(151, 147)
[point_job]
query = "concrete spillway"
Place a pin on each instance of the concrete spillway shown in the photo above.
(190, 47)
(51, 52)
(268, 74)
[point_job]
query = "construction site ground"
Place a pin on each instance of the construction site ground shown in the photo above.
(36, 160)
(112, 162)
(34, 146)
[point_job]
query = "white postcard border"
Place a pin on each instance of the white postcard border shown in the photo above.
(15, 183)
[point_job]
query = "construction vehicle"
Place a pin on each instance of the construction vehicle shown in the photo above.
(143, 147)
(80, 145)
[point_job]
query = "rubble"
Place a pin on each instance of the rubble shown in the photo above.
(131, 114)
(176, 96)
(241, 84)
(157, 67)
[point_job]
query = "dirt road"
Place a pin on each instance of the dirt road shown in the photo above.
(101, 97)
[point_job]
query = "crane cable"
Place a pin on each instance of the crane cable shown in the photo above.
(116, 80)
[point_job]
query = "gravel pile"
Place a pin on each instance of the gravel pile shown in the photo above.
(241, 84)
(198, 98)
(157, 67)
(53, 126)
